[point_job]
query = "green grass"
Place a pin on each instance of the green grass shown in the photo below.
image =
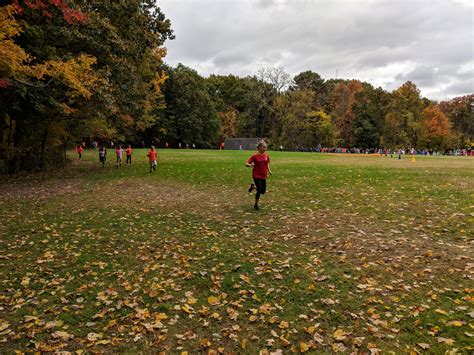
(375, 247)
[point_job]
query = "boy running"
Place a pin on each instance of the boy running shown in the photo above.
(102, 155)
(119, 152)
(152, 158)
(79, 150)
(260, 164)
(128, 151)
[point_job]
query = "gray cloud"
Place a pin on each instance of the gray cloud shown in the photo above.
(385, 43)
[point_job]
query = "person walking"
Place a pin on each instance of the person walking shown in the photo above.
(152, 158)
(119, 152)
(260, 164)
(102, 155)
(79, 151)
(128, 152)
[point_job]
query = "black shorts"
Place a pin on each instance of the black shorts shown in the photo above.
(261, 185)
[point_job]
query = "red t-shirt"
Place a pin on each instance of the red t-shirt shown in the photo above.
(79, 149)
(260, 170)
(129, 151)
(152, 155)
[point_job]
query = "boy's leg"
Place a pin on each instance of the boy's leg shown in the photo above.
(257, 195)
(252, 187)
(151, 164)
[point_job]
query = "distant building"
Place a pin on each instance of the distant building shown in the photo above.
(247, 143)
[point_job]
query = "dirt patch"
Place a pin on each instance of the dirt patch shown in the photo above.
(166, 195)
(39, 189)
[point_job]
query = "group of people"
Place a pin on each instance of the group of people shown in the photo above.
(119, 154)
(128, 152)
(259, 162)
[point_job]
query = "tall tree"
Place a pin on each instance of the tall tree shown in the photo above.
(309, 80)
(342, 103)
(369, 109)
(460, 111)
(280, 80)
(291, 111)
(437, 128)
(41, 89)
(79, 69)
(403, 121)
(190, 116)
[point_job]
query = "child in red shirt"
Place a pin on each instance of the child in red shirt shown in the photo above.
(79, 150)
(152, 158)
(260, 164)
(128, 152)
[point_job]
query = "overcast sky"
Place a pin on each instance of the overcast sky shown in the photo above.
(384, 42)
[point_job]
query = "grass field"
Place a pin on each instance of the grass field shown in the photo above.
(346, 254)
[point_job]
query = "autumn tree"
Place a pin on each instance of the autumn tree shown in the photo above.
(291, 111)
(369, 112)
(437, 128)
(40, 88)
(319, 129)
(78, 69)
(342, 108)
(309, 80)
(403, 121)
(461, 114)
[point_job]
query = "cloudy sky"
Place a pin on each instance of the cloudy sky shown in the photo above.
(384, 42)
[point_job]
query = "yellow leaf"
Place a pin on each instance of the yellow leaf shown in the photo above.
(244, 344)
(440, 311)
(25, 281)
(192, 300)
(160, 316)
(456, 323)
(62, 335)
(187, 308)
(213, 300)
(283, 324)
(339, 334)
(310, 330)
(4, 324)
(304, 347)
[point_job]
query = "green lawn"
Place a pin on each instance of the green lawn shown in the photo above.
(348, 253)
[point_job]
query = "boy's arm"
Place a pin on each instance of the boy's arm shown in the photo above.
(269, 170)
(250, 163)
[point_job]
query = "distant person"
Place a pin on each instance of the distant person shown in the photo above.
(179, 145)
(152, 158)
(241, 147)
(119, 152)
(128, 152)
(79, 151)
(167, 145)
(194, 146)
(260, 164)
(102, 155)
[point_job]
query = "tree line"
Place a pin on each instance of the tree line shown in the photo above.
(94, 70)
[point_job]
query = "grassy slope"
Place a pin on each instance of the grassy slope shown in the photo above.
(346, 253)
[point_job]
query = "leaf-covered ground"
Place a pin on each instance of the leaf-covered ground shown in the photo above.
(347, 253)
